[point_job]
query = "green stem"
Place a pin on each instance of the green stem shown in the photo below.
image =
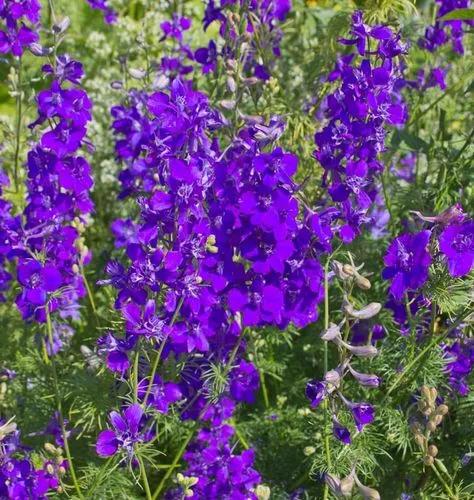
(327, 447)
(19, 111)
(434, 341)
(264, 389)
(59, 407)
(176, 459)
(90, 295)
(441, 479)
(160, 352)
(144, 478)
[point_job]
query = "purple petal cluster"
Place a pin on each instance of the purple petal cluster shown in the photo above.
(7, 225)
(18, 25)
(456, 243)
(407, 262)
(110, 15)
(443, 32)
(222, 473)
(49, 249)
(258, 27)
(460, 364)
(128, 429)
(358, 112)
(19, 476)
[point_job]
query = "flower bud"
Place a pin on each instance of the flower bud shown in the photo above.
(362, 351)
(367, 312)
(349, 270)
(227, 103)
(50, 469)
(339, 271)
(431, 426)
(309, 450)
(62, 26)
(442, 409)
(362, 282)
(366, 492)
(38, 50)
(432, 450)
(50, 448)
(332, 333)
(231, 84)
(420, 439)
(137, 74)
(428, 460)
(365, 379)
(333, 377)
(263, 492)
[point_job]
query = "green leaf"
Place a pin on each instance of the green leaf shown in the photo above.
(413, 141)
(459, 14)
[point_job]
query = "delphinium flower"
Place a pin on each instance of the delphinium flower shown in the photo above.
(51, 250)
(460, 364)
(456, 243)
(19, 476)
(129, 429)
(110, 15)
(359, 112)
(7, 225)
(259, 20)
(443, 32)
(221, 473)
(18, 25)
(407, 262)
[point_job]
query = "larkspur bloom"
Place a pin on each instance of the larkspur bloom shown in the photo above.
(443, 32)
(359, 112)
(456, 243)
(221, 472)
(407, 261)
(460, 364)
(15, 34)
(110, 15)
(129, 429)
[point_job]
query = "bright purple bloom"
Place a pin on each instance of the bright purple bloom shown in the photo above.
(407, 261)
(128, 431)
(456, 242)
(315, 391)
(340, 432)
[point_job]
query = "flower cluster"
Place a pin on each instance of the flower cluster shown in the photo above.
(220, 473)
(365, 103)
(443, 32)
(50, 249)
(460, 364)
(7, 223)
(15, 34)
(250, 30)
(110, 16)
(19, 476)
(408, 257)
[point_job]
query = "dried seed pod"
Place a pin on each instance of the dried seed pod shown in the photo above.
(348, 269)
(415, 427)
(338, 270)
(437, 419)
(347, 485)
(263, 492)
(432, 450)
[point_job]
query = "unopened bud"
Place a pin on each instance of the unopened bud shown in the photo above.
(428, 460)
(137, 74)
(331, 333)
(50, 448)
(432, 450)
(420, 439)
(227, 103)
(62, 26)
(431, 426)
(442, 410)
(231, 84)
(263, 492)
(50, 469)
(309, 450)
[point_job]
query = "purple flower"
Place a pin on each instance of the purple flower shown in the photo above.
(407, 261)
(340, 432)
(161, 395)
(456, 242)
(128, 430)
(315, 391)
